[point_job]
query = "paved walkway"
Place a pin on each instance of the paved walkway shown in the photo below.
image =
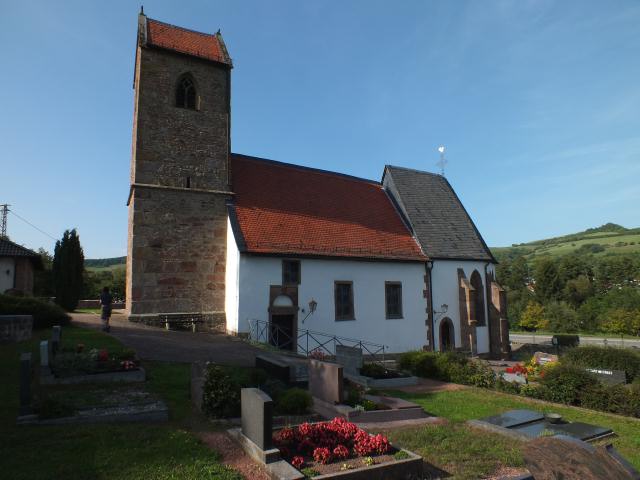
(543, 339)
(154, 343)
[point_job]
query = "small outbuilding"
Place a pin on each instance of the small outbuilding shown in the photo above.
(17, 265)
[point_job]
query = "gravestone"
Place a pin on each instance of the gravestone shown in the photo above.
(325, 381)
(45, 351)
(257, 417)
(350, 358)
(542, 358)
(25, 384)
(56, 338)
(609, 377)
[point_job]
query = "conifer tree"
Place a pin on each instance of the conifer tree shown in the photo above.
(68, 269)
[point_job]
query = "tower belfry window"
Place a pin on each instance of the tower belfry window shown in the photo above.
(186, 93)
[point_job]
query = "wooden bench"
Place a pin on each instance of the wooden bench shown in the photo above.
(181, 320)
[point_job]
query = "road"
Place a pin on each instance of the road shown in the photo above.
(546, 339)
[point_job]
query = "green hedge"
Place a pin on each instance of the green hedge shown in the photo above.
(45, 315)
(611, 358)
(448, 367)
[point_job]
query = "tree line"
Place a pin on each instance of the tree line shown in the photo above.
(64, 275)
(573, 293)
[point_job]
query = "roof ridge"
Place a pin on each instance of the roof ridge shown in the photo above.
(309, 169)
(182, 28)
(17, 245)
(414, 170)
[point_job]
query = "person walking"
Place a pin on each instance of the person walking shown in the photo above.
(105, 304)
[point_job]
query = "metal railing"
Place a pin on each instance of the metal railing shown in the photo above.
(309, 342)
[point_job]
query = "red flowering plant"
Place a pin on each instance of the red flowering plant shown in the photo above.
(322, 455)
(328, 441)
(103, 355)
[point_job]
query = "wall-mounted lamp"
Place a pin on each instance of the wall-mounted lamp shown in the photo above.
(312, 308)
(444, 307)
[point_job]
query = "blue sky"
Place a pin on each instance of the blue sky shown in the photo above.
(537, 102)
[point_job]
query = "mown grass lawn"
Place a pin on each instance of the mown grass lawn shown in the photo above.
(133, 451)
(467, 453)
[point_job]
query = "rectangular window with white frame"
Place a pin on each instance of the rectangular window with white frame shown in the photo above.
(343, 296)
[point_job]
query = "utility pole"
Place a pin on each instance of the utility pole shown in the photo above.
(3, 228)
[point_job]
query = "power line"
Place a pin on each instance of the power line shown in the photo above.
(32, 225)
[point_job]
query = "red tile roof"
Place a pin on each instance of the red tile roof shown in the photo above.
(287, 209)
(186, 41)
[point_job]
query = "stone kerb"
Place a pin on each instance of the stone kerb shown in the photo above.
(350, 358)
(326, 381)
(15, 328)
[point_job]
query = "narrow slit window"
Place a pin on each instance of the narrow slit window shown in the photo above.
(186, 93)
(188, 182)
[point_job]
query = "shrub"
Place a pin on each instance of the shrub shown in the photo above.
(615, 399)
(564, 383)
(373, 370)
(45, 315)
(220, 394)
(507, 387)
(611, 358)
(294, 401)
(566, 340)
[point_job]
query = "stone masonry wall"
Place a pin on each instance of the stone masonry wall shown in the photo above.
(177, 235)
(171, 143)
(178, 251)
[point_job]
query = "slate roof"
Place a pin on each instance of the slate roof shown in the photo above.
(438, 219)
(285, 209)
(189, 42)
(10, 249)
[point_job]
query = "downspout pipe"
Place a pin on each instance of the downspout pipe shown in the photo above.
(432, 343)
(486, 305)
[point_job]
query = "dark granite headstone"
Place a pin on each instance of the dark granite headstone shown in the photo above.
(325, 381)
(257, 417)
(350, 358)
(274, 368)
(56, 338)
(609, 377)
(25, 384)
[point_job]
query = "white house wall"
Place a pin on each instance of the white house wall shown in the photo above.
(231, 281)
(257, 273)
(7, 273)
(444, 276)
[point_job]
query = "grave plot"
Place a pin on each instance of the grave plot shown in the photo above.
(71, 364)
(372, 374)
(73, 386)
(528, 425)
(324, 450)
(326, 385)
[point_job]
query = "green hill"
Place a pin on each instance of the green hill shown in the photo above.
(101, 264)
(605, 240)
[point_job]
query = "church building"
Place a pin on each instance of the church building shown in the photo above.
(239, 241)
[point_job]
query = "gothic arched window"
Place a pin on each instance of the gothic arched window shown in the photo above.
(186, 93)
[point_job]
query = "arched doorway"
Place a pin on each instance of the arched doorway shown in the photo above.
(476, 283)
(447, 335)
(283, 310)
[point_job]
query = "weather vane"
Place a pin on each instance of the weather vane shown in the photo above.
(443, 161)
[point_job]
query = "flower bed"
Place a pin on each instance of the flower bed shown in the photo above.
(334, 446)
(69, 363)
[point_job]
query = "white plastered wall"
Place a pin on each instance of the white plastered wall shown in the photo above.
(444, 276)
(7, 273)
(257, 273)
(231, 291)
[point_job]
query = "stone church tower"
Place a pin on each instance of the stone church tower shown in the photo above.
(179, 174)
